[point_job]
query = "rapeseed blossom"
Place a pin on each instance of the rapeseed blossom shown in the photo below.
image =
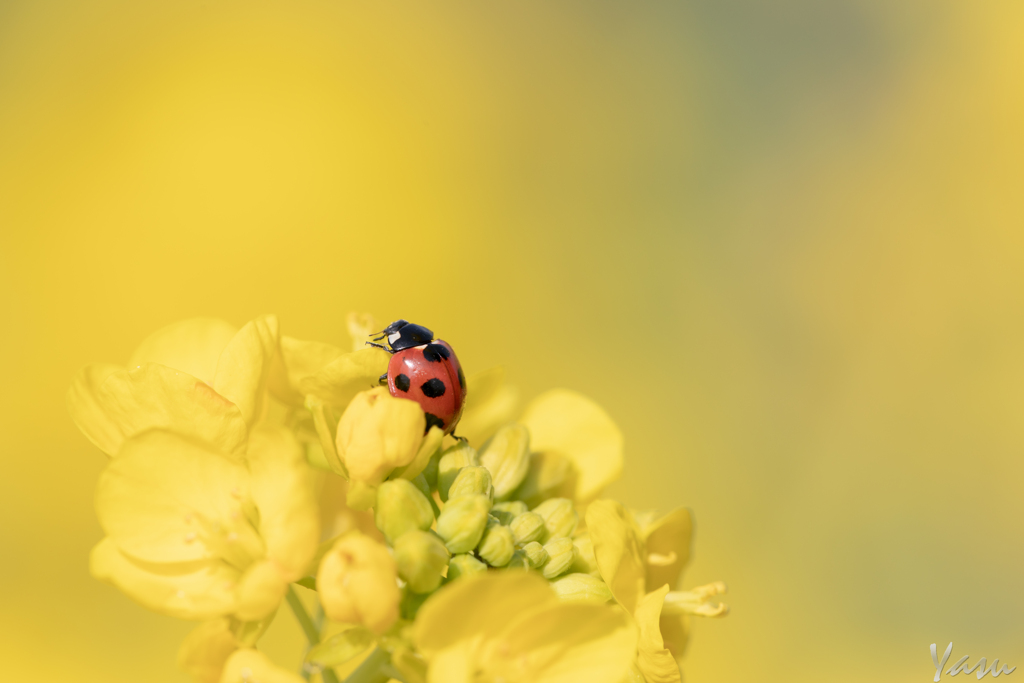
(247, 468)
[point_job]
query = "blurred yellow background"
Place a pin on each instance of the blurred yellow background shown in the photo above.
(782, 243)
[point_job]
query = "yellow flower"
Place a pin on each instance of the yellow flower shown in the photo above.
(624, 562)
(196, 533)
(358, 583)
(511, 627)
(194, 377)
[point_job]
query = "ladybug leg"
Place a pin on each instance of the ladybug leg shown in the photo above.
(383, 379)
(379, 346)
(461, 438)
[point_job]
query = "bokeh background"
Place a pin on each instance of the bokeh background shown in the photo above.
(782, 243)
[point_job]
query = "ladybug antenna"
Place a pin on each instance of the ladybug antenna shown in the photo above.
(391, 329)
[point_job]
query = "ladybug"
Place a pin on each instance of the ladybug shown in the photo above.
(424, 370)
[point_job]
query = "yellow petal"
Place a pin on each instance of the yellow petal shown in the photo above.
(260, 591)
(168, 499)
(191, 590)
(302, 360)
(358, 583)
(655, 662)
(453, 664)
(549, 475)
(252, 666)
(378, 433)
(490, 403)
(667, 542)
(87, 409)
(191, 346)
(675, 631)
(565, 422)
(244, 368)
(132, 401)
(618, 550)
(343, 378)
(282, 489)
(480, 605)
(325, 422)
(563, 643)
(203, 652)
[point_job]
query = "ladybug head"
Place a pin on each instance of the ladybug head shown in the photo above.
(402, 334)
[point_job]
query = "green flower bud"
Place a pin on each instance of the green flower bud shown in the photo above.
(471, 480)
(560, 518)
(464, 565)
(421, 557)
(536, 555)
(452, 460)
(582, 588)
(401, 507)
(507, 456)
(497, 545)
(509, 510)
(561, 553)
(462, 522)
(527, 527)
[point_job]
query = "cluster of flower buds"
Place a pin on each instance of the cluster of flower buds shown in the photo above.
(249, 469)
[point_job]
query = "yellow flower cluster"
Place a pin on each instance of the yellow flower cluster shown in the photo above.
(244, 463)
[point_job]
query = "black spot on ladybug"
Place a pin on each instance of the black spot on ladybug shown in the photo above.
(433, 388)
(402, 382)
(434, 421)
(462, 379)
(435, 353)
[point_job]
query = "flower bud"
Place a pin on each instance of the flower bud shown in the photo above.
(581, 588)
(497, 545)
(530, 556)
(378, 433)
(561, 554)
(401, 507)
(507, 456)
(471, 480)
(560, 518)
(509, 510)
(464, 565)
(462, 522)
(421, 557)
(358, 583)
(452, 460)
(527, 527)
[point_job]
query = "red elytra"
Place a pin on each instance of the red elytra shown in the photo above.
(431, 375)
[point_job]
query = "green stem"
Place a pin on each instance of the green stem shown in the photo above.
(310, 629)
(370, 670)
